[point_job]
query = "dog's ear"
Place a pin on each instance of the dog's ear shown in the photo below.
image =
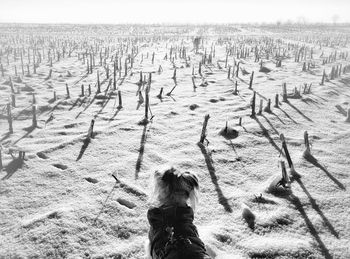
(191, 179)
(168, 176)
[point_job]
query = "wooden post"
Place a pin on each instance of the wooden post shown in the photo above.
(34, 123)
(229, 72)
(285, 182)
(304, 67)
(54, 96)
(332, 73)
(120, 100)
(91, 130)
(284, 95)
(171, 91)
(149, 81)
(276, 101)
(89, 89)
(146, 102)
(252, 103)
(67, 90)
(141, 79)
(82, 90)
(22, 64)
(9, 118)
(33, 98)
(323, 77)
(193, 83)
(235, 92)
(284, 146)
(260, 107)
(307, 145)
(92, 63)
(1, 159)
(13, 100)
(11, 85)
(240, 121)
(160, 93)
(107, 72)
(98, 83)
(237, 70)
(268, 106)
(251, 80)
(114, 76)
(348, 117)
(204, 129)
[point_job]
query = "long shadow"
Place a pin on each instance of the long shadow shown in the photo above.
(5, 136)
(268, 121)
(87, 106)
(317, 208)
(238, 158)
(15, 117)
(277, 117)
(265, 132)
(324, 99)
(83, 148)
(310, 101)
(104, 105)
(114, 115)
(298, 205)
(222, 199)
(141, 151)
(302, 114)
(121, 80)
(56, 105)
(261, 96)
(84, 76)
(12, 167)
(82, 101)
(105, 202)
(285, 113)
(314, 161)
(74, 104)
(29, 130)
(341, 110)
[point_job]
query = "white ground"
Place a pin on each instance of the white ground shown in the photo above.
(49, 210)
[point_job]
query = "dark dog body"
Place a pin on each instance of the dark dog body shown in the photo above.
(173, 235)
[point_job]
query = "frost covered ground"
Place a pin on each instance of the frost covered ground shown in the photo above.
(62, 201)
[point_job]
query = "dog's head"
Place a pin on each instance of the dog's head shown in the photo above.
(171, 186)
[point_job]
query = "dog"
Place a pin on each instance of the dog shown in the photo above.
(172, 234)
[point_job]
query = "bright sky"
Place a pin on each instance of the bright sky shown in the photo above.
(172, 11)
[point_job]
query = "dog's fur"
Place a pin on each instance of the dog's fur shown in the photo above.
(175, 190)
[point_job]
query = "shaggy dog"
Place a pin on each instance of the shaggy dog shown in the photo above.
(172, 234)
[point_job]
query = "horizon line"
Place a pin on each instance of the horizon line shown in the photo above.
(279, 23)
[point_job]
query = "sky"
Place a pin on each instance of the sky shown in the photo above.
(173, 11)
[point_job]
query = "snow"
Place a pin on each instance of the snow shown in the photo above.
(62, 201)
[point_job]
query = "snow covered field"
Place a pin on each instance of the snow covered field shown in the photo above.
(61, 200)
